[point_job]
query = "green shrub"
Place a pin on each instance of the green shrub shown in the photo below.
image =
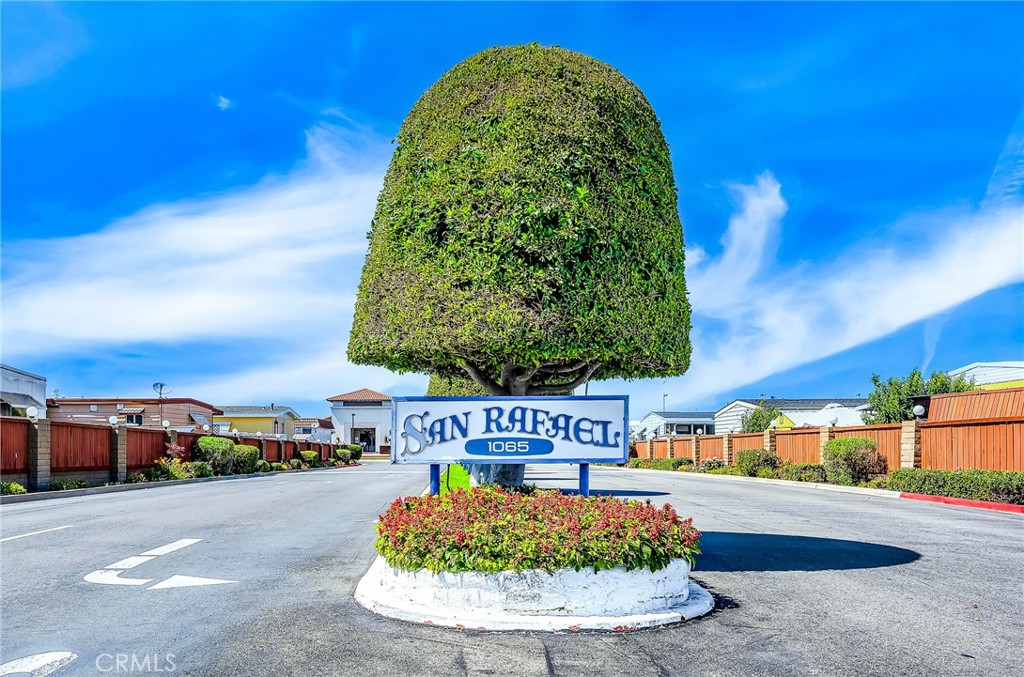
(135, 478)
(356, 451)
(295, 463)
(979, 485)
(724, 470)
(63, 485)
(343, 457)
(801, 472)
(765, 473)
(708, 464)
(310, 458)
(878, 483)
(279, 466)
(342, 452)
(849, 460)
(262, 466)
(751, 461)
(246, 459)
(487, 529)
(199, 469)
(218, 452)
(11, 489)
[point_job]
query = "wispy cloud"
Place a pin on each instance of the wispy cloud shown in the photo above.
(751, 322)
(223, 102)
(245, 264)
(38, 40)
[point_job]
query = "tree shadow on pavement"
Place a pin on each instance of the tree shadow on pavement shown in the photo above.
(729, 551)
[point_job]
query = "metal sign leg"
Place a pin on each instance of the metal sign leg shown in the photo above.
(584, 479)
(435, 478)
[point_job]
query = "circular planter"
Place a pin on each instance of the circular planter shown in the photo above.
(534, 599)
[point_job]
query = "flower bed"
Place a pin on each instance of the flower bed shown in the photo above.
(490, 530)
(491, 559)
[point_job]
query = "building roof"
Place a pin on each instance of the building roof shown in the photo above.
(314, 422)
(809, 404)
(684, 415)
(256, 410)
(22, 372)
(992, 372)
(21, 400)
(58, 401)
(361, 395)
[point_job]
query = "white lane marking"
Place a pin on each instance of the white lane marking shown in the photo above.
(171, 547)
(44, 531)
(129, 562)
(186, 582)
(113, 577)
(38, 665)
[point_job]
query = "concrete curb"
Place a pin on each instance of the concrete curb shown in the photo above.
(89, 491)
(966, 503)
(563, 600)
(881, 493)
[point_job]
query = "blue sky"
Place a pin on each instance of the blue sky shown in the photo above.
(186, 188)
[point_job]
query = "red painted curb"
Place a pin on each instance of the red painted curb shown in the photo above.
(965, 502)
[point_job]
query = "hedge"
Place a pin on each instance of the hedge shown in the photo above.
(979, 485)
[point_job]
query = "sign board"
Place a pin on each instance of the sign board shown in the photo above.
(510, 429)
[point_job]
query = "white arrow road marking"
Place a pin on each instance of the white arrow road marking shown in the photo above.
(186, 582)
(44, 531)
(38, 665)
(129, 562)
(171, 547)
(108, 577)
(111, 574)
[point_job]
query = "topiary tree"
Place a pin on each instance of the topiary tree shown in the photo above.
(527, 235)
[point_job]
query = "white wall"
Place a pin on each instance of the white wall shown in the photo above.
(14, 382)
(377, 418)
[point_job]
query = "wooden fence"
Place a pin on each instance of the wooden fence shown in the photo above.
(712, 446)
(272, 450)
(79, 446)
(145, 447)
(798, 446)
(986, 444)
(746, 442)
(976, 405)
(187, 441)
(13, 445)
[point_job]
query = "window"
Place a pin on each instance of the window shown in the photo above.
(93, 407)
(133, 419)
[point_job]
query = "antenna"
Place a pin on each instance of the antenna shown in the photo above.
(161, 389)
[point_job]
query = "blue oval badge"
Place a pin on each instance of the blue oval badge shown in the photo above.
(509, 447)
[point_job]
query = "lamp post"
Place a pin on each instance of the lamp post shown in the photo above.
(352, 429)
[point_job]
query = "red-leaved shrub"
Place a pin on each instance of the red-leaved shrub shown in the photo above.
(489, 530)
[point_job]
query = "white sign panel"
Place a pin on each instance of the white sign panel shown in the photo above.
(510, 429)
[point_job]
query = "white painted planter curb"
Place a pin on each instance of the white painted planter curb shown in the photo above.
(565, 599)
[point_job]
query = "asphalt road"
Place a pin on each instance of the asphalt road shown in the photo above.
(809, 582)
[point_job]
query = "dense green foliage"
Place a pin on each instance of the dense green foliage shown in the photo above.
(659, 463)
(489, 530)
(453, 386)
(979, 485)
(246, 458)
(11, 489)
(752, 461)
(218, 452)
(64, 485)
(310, 458)
(200, 469)
(890, 400)
(851, 460)
(527, 233)
(355, 451)
(802, 472)
(280, 466)
(759, 419)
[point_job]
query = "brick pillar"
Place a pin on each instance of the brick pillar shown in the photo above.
(825, 435)
(38, 455)
(769, 439)
(910, 445)
(727, 448)
(695, 449)
(119, 453)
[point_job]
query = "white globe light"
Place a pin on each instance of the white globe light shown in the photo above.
(112, 420)
(32, 412)
(206, 427)
(918, 410)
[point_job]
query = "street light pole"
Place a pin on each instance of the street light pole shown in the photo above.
(352, 429)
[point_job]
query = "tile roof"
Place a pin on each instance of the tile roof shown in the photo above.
(362, 395)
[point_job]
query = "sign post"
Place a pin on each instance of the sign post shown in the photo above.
(583, 430)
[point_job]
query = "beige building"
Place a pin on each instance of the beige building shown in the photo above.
(270, 420)
(183, 413)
